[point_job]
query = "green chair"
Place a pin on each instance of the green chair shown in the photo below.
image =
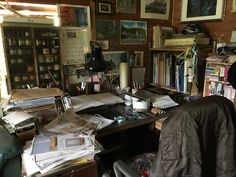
(10, 154)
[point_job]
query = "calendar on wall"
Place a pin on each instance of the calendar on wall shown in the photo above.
(75, 33)
(74, 45)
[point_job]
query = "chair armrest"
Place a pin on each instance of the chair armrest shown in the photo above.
(122, 169)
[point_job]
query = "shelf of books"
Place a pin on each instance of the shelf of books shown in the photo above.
(215, 82)
(170, 71)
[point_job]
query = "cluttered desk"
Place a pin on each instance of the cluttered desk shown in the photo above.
(89, 122)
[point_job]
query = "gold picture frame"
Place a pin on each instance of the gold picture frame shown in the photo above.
(202, 10)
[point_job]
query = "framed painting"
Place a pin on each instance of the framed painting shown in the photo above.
(198, 10)
(104, 7)
(234, 6)
(138, 58)
(114, 58)
(74, 16)
(155, 9)
(126, 6)
(133, 32)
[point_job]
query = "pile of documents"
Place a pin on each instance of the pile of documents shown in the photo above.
(19, 121)
(32, 100)
(70, 122)
(47, 153)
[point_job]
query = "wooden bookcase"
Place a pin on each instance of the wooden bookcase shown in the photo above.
(215, 81)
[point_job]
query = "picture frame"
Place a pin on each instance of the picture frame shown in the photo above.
(233, 6)
(155, 10)
(74, 15)
(114, 58)
(138, 58)
(104, 7)
(126, 6)
(194, 11)
(133, 32)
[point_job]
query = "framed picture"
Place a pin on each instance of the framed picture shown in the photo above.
(155, 9)
(104, 7)
(126, 6)
(111, 33)
(198, 10)
(74, 16)
(114, 58)
(133, 32)
(138, 58)
(234, 6)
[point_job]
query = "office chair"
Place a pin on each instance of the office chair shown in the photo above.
(197, 140)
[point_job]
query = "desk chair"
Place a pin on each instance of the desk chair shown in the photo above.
(197, 140)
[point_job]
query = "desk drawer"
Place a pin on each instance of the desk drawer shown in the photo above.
(84, 170)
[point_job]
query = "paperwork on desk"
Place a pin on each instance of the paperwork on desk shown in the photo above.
(158, 101)
(33, 100)
(163, 102)
(70, 122)
(18, 121)
(86, 101)
(45, 153)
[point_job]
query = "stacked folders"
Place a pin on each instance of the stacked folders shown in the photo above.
(49, 153)
(31, 100)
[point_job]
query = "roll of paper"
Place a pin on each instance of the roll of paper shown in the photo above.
(124, 75)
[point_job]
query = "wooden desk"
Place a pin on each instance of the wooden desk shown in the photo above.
(88, 169)
(123, 140)
(82, 170)
(134, 121)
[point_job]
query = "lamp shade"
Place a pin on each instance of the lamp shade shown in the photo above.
(96, 62)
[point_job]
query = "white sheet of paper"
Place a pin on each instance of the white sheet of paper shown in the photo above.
(86, 101)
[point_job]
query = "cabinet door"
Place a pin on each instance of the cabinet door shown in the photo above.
(47, 51)
(19, 53)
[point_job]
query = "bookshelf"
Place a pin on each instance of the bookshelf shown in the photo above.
(171, 69)
(32, 56)
(215, 81)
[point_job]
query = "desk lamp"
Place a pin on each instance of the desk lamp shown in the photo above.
(96, 62)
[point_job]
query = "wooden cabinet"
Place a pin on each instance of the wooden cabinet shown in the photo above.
(215, 82)
(172, 69)
(32, 56)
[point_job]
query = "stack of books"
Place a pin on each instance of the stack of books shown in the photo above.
(47, 153)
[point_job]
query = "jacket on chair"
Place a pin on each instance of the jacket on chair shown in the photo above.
(198, 141)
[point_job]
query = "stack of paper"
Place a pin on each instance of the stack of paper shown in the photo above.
(47, 152)
(20, 120)
(32, 100)
(70, 122)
